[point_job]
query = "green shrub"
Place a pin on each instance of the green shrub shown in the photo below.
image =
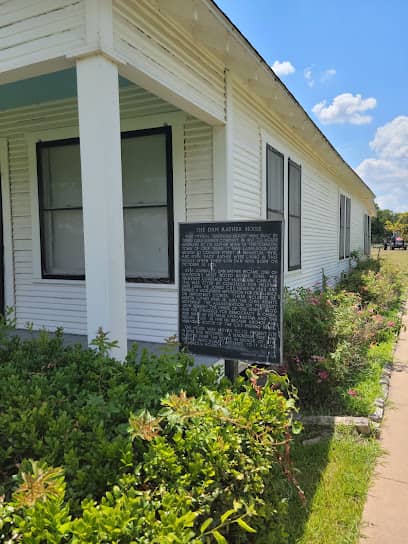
(327, 334)
(69, 406)
(378, 283)
(208, 469)
(308, 319)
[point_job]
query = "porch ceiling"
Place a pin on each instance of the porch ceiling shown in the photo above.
(40, 89)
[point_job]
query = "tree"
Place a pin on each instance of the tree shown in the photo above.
(400, 225)
(378, 230)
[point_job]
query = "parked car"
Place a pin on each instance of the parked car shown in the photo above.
(395, 242)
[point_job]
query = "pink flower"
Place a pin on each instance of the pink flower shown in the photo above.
(296, 359)
(390, 324)
(352, 392)
(323, 374)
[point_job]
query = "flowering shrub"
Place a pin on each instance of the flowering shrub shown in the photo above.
(327, 334)
(308, 317)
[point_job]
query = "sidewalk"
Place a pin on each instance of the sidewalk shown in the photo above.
(385, 518)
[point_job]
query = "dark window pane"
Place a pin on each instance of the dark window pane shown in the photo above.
(275, 178)
(348, 213)
(294, 226)
(63, 241)
(294, 190)
(348, 227)
(274, 216)
(342, 225)
(341, 242)
(294, 242)
(347, 244)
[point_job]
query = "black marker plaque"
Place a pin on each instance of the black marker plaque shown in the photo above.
(231, 289)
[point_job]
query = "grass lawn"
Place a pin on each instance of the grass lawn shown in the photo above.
(335, 474)
(398, 257)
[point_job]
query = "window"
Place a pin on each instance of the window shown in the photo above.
(294, 215)
(274, 183)
(60, 202)
(147, 202)
(367, 234)
(345, 221)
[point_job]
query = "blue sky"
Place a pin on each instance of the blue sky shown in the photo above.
(349, 70)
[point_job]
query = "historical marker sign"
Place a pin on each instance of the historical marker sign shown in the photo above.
(231, 289)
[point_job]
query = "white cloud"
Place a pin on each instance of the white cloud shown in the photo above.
(327, 74)
(391, 140)
(283, 68)
(308, 73)
(387, 172)
(345, 108)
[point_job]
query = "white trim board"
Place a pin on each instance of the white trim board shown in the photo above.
(9, 292)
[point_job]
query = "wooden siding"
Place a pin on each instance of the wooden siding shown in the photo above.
(33, 31)
(254, 125)
(157, 45)
(246, 164)
(199, 171)
(152, 309)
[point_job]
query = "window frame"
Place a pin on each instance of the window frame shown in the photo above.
(345, 251)
(41, 209)
(280, 213)
(347, 240)
(167, 131)
(367, 234)
(298, 166)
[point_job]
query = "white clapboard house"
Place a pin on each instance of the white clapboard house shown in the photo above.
(119, 119)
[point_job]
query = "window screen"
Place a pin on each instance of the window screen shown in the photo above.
(294, 216)
(274, 183)
(147, 203)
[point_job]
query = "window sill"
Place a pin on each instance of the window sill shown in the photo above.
(56, 281)
(150, 285)
(294, 271)
(82, 283)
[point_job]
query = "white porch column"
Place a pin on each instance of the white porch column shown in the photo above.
(222, 158)
(99, 128)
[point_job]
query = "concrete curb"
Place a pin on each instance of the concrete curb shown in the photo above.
(362, 424)
(385, 379)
